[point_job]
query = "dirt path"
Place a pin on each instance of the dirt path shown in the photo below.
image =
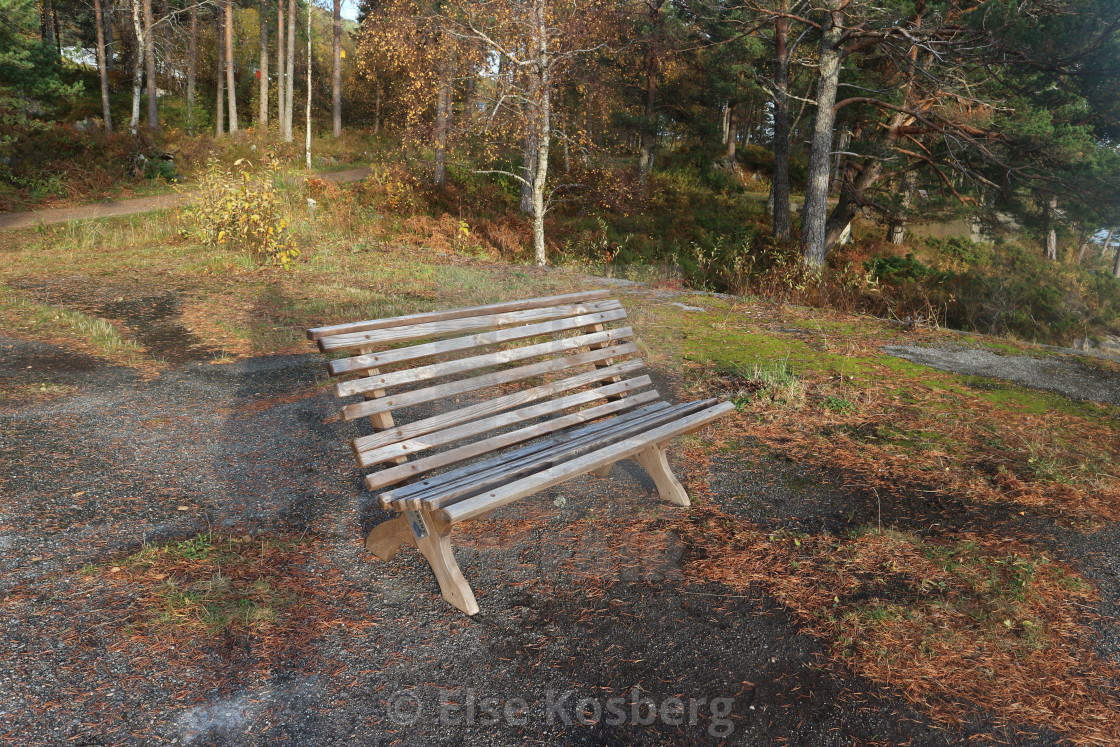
(117, 208)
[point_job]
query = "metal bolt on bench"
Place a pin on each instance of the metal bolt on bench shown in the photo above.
(586, 418)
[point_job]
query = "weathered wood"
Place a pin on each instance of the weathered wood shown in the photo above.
(508, 446)
(489, 500)
(654, 462)
(388, 536)
(417, 396)
(359, 363)
(452, 326)
(489, 407)
(435, 543)
(508, 474)
(479, 468)
(436, 316)
(485, 446)
(381, 381)
(603, 471)
(494, 423)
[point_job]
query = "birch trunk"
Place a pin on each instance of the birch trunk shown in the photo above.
(262, 95)
(443, 125)
(336, 80)
(289, 94)
(281, 57)
(1051, 232)
(820, 146)
(231, 83)
(645, 151)
(103, 72)
(307, 140)
(137, 68)
(544, 132)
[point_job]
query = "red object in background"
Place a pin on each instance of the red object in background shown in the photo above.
(258, 74)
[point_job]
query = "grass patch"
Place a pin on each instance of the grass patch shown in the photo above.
(55, 322)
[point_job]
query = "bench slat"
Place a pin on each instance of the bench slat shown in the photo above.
(458, 454)
(467, 324)
(417, 396)
(436, 316)
(480, 468)
(437, 370)
(480, 504)
(477, 427)
(489, 407)
(511, 472)
(358, 363)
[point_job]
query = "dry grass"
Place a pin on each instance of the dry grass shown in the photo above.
(952, 625)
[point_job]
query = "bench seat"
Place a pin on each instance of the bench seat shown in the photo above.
(559, 407)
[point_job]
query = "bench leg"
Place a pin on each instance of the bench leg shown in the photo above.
(388, 536)
(603, 471)
(668, 487)
(436, 546)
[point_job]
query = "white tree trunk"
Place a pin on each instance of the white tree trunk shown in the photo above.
(231, 84)
(137, 68)
(289, 95)
(544, 132)
(281, 62)
(103, 72)
(307, 140)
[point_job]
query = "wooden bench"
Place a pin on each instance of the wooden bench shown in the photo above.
(567, 405)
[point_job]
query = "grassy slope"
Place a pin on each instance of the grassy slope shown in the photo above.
(810, 384)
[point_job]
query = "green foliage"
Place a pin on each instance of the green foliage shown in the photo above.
(961, 250)
(892, 268)
(244, 210)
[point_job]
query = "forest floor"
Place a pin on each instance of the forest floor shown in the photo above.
(878, 552)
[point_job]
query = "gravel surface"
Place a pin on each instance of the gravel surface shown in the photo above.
(1060, 374)
(571, 601)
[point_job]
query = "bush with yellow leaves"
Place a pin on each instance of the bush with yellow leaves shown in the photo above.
(243, 209)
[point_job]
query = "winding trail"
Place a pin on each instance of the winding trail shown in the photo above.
(117, 208)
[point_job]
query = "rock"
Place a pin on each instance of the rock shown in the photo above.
(1107, 347)
(686, 307)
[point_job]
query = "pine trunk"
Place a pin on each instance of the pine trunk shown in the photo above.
(103, 72)
(262, 88)
(231, 83)
(645, 153)
(150, 67)
(732, 134)
(220, 107)
(779, 185)
(336, 80)
(813, 245)
(1051, 232)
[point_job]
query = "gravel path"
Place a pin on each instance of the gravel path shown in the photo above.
(1060, 374)
(573, 599)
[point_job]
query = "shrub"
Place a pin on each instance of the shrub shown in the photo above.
(243, 210)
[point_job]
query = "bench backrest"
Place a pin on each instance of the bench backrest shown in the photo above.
(550, 363)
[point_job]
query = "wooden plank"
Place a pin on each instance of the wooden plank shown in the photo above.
(437, 316)
(488, 501)
(490, 424)
(489, 407)
(380, 381)
(416, 396)
(458, 326)
(508, 474)
(360, 363)
(451, 456)
(479, 468)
